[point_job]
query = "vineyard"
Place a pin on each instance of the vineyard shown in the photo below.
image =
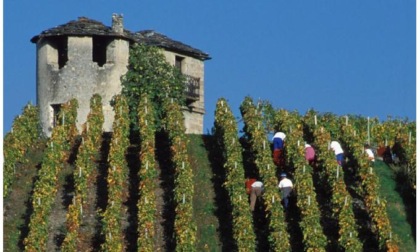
(157, 189)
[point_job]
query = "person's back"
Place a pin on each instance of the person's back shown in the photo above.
(278, 140)
(369, 153)
(278, 145)
(255, 189)
(338, 151)
(286, 187)
(309, 153)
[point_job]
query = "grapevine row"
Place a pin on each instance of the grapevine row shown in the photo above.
(46, 186)
(185, 226)
(84, 172)
(375, 205)
(278, 236)
(24, 134)
(117, 178)
(341, 199)
(147, 175)
(227, 137)
(313, 236)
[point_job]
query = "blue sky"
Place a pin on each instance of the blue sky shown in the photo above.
(345, 57)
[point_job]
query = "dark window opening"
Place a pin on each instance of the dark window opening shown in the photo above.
(100, 45)
(56, 111)
(178, 63)
(60, 44)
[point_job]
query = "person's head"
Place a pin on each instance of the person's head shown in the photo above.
(283, 175)
(366, 146)
(307, 145)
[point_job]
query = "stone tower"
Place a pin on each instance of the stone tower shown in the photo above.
(84, 57)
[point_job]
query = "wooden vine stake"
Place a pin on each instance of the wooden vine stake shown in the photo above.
(409, 138)
(338, 171)
(315, 120)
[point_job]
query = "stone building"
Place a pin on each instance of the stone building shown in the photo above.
(84, 57)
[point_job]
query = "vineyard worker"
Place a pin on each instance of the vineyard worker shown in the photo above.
(286, 187)
(278, 145)
(255, 188)
(338, 151)
(310, 154)
(369, 152)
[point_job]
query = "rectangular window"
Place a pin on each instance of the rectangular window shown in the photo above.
(56, 108)
(99, 47)
(178, 62)
(60, 44)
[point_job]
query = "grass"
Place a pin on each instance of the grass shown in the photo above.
(204, 205)
(16, 213)
(400, 207)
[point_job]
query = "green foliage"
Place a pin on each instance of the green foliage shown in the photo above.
(87, 155)
(46, 186)
(227, 138)
(25, 132)
(313, 237)
(147, 174)
(149, 73)
(254, 131)
(117, 178)
(184, 225)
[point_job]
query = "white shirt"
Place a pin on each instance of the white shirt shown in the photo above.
(257, 184)
(336, 147)
(370, 154)
(285, 183)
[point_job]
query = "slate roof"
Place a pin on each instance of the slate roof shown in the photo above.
(154, 38)
(81, 27)
(89, 27)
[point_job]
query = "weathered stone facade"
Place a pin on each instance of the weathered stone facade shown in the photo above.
(194, 112)
(84, 57)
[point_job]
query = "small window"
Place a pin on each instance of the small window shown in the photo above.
(99, 48)
(56, 108)
(60, 44)
(178, 62)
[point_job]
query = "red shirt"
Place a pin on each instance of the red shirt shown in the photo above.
(248, 184)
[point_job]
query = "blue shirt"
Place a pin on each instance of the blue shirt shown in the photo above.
(278, 143)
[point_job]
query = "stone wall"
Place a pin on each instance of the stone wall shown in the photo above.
(80, 78)
(194, 114)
